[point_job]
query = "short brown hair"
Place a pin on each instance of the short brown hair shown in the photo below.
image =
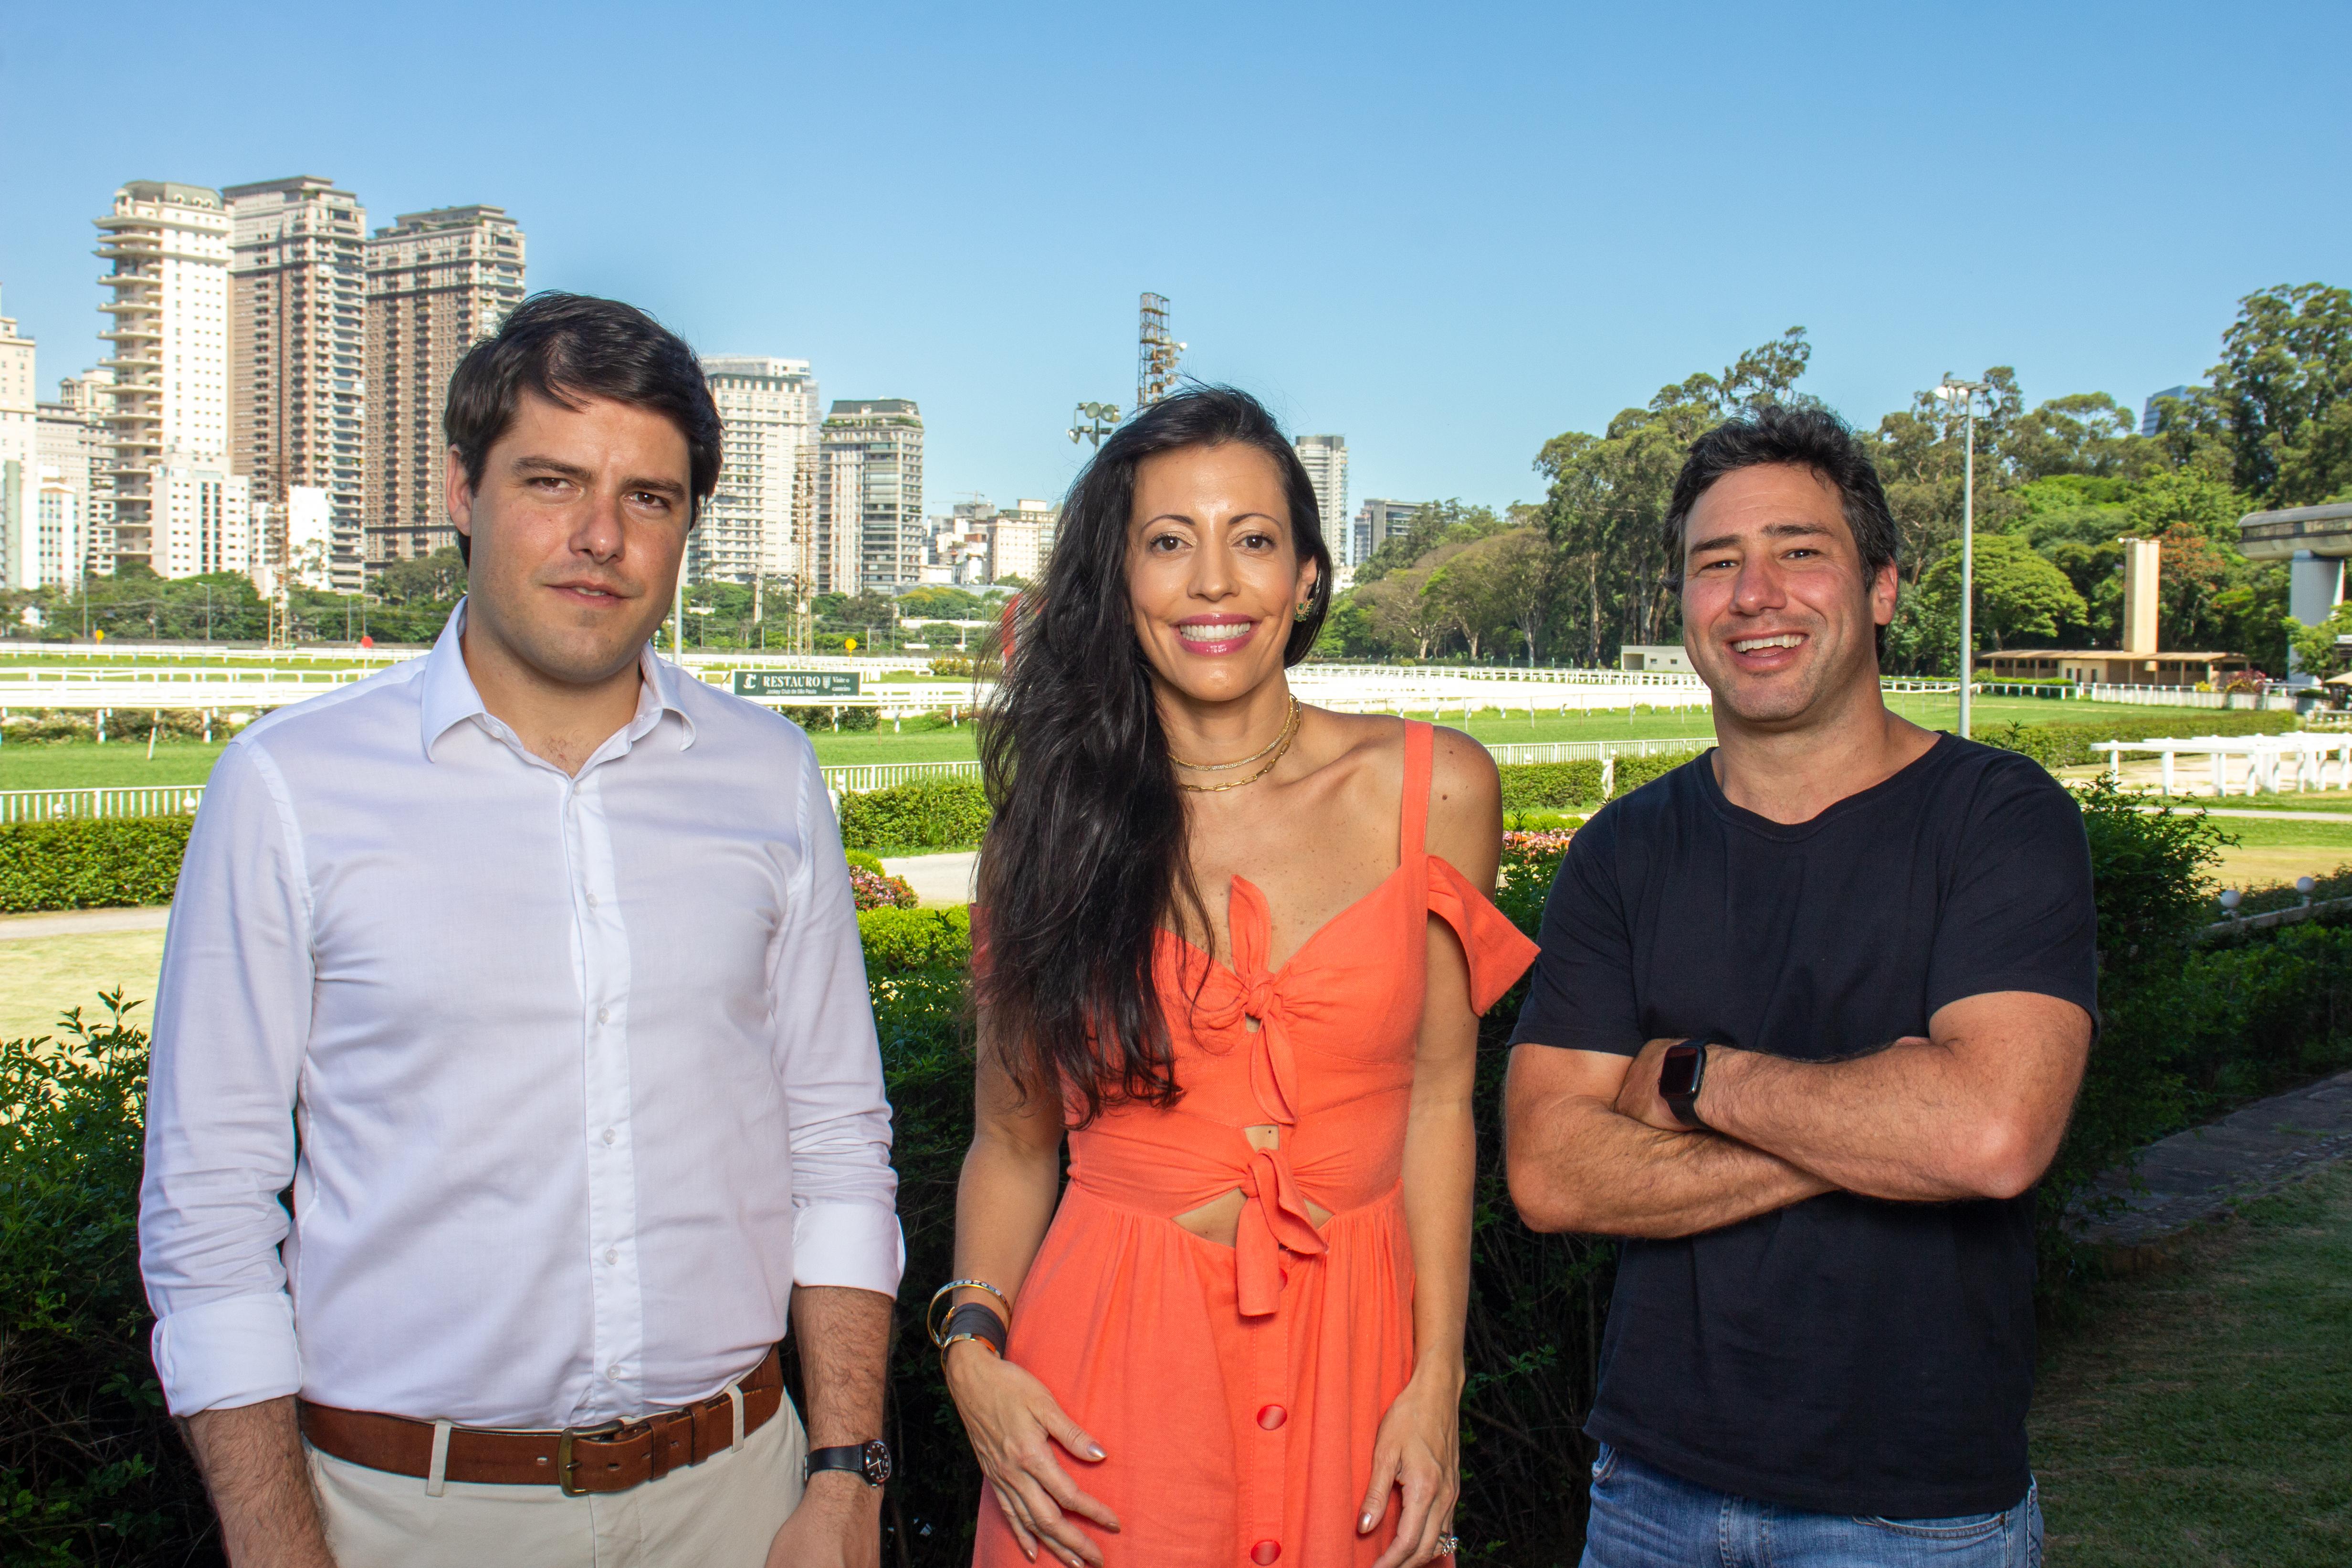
(568, 346)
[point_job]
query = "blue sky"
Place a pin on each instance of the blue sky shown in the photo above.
(1447, 232)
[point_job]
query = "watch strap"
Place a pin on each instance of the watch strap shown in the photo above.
(869, 1461)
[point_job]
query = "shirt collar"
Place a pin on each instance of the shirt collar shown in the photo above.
(449, 698)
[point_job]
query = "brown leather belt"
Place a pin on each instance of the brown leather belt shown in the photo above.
(608, 1458)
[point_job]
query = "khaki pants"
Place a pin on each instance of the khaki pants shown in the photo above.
(720, 1513)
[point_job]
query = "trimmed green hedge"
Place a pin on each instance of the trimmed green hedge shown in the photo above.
(931, 814)
(2068, 744)
(1537, 786)
(900, 942)
(88, 864)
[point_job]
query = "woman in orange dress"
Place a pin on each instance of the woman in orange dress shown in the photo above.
(1235, 951)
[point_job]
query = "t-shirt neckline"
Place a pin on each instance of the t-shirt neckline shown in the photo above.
(1756, 822)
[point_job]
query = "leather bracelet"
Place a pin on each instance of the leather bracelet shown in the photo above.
(974, 1320)
(930, 1313)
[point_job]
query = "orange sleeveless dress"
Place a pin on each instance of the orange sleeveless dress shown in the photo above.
(1237, 1390)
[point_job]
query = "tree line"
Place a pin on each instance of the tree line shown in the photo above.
(2059, 484)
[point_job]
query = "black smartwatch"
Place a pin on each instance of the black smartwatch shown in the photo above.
(870, 1462)
(1683, 1074)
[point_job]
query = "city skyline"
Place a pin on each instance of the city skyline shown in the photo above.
(1464, 242)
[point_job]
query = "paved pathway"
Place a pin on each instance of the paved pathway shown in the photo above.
(79, 923)
(937, 879)
(2197, 1175)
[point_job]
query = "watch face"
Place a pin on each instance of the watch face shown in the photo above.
(875, 1460)
(1678, 1074)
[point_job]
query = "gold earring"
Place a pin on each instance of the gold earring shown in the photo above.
(1304, 611)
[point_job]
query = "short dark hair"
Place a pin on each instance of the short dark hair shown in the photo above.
(1803, 437)
(565, 347)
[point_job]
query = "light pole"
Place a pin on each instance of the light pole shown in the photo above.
(1093, 421)
(1967, 392)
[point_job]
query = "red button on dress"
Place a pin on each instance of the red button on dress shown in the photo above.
(1272, 1416)
(1266, 1551)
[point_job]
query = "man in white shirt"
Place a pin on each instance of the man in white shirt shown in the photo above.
(531, 967)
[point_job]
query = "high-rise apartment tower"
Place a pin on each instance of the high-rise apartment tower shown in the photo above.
(19, 462)
(869, 501)
(167, 250)
(438, 283)
(1376, 519)
(88, 400)
(747, 529)
(297, 328)
(1326, 461)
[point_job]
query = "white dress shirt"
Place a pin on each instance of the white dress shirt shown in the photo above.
(572, 1078)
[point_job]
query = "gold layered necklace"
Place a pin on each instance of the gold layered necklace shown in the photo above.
(1278, 747)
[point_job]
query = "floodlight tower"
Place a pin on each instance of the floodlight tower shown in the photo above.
(1092, 422)
(1966, 392)
(1156, 353)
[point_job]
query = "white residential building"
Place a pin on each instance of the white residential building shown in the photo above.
(20, 475)
(75, 439)
(167, 249)
(1324, 458)
(869, 497)
(203, 519)
(298, 376)
(58, 545)
(770, 409)
(1020, 537)
(305, 520)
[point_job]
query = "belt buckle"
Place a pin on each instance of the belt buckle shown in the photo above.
(565, 1463)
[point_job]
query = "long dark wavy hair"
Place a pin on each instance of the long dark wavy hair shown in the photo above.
(1086, 855)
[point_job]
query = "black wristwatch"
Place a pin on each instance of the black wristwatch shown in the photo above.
(870, 1462)
(1683, 1074)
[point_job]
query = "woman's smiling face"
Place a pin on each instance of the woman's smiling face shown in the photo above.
(1214, 576)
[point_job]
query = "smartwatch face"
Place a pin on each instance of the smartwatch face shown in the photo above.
(1678, 1074)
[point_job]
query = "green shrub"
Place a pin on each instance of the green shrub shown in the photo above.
(1536, 786)
(930, 813)
(91, 864)
(860, 859)
(2067, 745)
(907, 941)
(89, 1469)
(832, 719)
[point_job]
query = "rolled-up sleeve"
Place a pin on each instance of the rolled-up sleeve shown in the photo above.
(232, 1020)
(845, 1193)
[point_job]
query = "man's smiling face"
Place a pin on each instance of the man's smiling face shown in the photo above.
(1778, 611)
(576, 532)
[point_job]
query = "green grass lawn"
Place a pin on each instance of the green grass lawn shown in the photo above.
(44, 975)
(2205, 1419)
(84, 765)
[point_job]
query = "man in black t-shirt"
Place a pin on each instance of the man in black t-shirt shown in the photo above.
(1809, 1021)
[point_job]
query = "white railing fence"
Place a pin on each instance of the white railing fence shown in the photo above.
(2266, 759)
(860, 778)
(1521, 754)
(64, 805)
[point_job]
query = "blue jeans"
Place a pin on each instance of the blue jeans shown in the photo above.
(1645, 1518)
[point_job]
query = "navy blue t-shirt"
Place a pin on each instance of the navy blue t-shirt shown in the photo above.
(1844, 1355)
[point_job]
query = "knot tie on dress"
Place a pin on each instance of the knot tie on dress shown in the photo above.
(1274, 1223)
